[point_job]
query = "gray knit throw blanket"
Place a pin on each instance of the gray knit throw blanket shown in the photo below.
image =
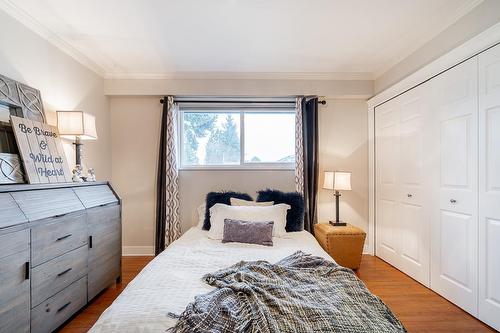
(300, 293)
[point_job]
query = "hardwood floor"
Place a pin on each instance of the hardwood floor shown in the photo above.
(82, 322)
(420, 309)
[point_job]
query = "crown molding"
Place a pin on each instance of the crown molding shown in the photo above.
(31, 23)
(446, 22)
(332, 76)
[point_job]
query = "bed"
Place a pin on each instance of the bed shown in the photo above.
(172, 280)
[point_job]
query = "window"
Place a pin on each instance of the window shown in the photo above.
(254, 138)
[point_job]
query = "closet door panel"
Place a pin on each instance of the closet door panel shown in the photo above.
(413, 222)
(454, 248)
(387, 189)
(489, 187)
(454, 212)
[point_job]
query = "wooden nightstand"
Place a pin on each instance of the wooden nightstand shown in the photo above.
(343, 244)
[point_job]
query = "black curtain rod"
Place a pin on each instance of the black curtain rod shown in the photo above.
(322, 102)
(235, 101)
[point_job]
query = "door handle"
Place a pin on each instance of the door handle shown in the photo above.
(453, 201)
(409, 195)
(90, 242)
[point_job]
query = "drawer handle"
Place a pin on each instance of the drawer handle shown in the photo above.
(409, 195)
(59, 215)
(27, 270)
(63, 307)
(453, 201)
(64, 272)
(63, 237)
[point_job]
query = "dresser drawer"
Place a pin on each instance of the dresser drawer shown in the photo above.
(93, 196)
(55, 275)
(40, 204)
(49, 315)
(10, 214)
(14, 242)
(57, 236)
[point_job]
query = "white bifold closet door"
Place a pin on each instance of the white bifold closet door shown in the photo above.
(489, 187)
(437, 190)
(454, 210)
(402, 203)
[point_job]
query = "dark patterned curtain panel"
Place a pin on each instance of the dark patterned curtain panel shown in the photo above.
(168, 227)
(310, 159)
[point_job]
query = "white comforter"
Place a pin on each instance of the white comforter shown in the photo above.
(173, 279)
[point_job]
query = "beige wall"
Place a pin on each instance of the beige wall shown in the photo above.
(135, 125)
(64, 84)
(239, 87)
(344, 146)
(479, 19)
(135, 128)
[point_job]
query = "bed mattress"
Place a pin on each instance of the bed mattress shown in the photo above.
(172, 280)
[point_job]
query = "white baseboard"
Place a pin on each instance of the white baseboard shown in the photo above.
(130, 251)
(366, 249)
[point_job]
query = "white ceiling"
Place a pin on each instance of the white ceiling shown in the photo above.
(156, 38)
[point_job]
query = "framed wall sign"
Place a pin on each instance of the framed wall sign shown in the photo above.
(41, 151)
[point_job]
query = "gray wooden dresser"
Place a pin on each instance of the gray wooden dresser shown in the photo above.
(60, 245)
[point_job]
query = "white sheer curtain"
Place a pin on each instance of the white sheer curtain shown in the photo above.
(299, 147)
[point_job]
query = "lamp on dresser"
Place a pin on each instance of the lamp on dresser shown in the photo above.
(77, 126)
(337, 181)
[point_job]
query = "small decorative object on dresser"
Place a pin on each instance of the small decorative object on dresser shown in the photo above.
(11, 170)
(344, 244)
(90, 175)
(337, 181)
(77, 174)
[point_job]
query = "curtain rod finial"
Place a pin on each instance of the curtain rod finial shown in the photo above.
(161, 100)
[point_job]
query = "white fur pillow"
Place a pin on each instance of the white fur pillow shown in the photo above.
(220, 212)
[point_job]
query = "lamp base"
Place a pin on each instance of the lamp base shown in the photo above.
(338, 224)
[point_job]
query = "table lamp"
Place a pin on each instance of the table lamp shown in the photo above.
(77, 126)
(337, 181)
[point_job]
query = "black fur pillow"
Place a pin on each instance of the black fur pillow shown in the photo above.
(294, 216)
(223, 198)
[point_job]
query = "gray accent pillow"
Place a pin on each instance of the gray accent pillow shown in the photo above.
(238, 231)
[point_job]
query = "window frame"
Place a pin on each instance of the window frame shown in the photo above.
(242, 165)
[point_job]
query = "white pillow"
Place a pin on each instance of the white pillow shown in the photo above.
(241, 202)
(220, 212)
(201, 215)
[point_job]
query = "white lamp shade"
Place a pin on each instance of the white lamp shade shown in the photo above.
(328, 182)
(72, 124)
(337, 180)
(342, 181)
